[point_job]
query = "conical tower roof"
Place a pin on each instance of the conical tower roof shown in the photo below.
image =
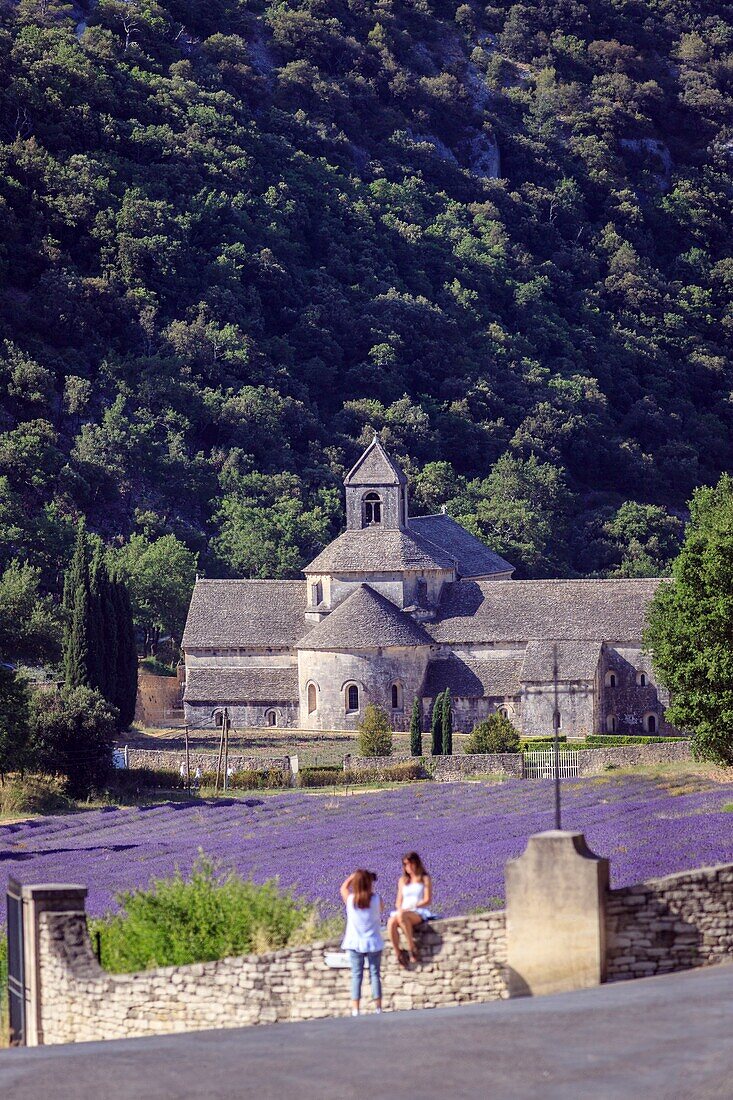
(375, 467)
(365, 620)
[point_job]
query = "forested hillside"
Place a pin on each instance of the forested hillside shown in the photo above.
(236, 238)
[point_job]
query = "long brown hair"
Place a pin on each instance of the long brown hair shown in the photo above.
(413, 857)
(361, 887)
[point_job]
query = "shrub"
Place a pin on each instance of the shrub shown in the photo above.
(209, 916)
(71, 735)
(494, 734)
(32, 794)
(436, 726)
(375, 733)
(598, 740)
(416, 730)
(406, 772)
(446, 724)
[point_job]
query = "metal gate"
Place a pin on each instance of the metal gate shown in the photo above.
(16, 969)
(540, 764)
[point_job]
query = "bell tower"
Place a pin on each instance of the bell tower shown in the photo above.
(376, 492)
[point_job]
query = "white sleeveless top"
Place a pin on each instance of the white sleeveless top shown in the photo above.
(412, 895)
(362, 926)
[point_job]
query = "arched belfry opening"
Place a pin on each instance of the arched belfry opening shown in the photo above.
(371, 510)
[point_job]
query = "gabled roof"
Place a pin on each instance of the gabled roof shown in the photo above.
(473, 558)
(575, 661)
(379, 548)
(470, 678)
(245, 613)
(562, 610)
(375, 467)
(365, 620)
(241, 685)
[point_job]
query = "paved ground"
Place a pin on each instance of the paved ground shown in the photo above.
(668, 1037)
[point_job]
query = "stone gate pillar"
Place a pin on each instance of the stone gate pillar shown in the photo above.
(555, 908)
(44, 898)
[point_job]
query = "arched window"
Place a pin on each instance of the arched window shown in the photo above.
(650, 723)
(372, 505)
(218, 717)
(611, 723)
(270, 717)
(502, 711)
(312, 698)
(641, 679)
(611, 679)
(352, 697)
(397, 696)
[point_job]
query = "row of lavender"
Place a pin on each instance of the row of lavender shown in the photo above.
(646, 827)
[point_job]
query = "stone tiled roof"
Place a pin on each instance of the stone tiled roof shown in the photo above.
(241, 685)
(470, 678)
(365, 620)
(245, 613)
(575, 661)
(375, 467)
(572, 610)
(472, 557)
(378, 548)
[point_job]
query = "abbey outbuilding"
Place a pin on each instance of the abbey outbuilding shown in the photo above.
(400, 607)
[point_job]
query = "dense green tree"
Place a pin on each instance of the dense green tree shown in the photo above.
(14, 720)
(125, 682)
(375, 732)
(690, 626)
(416, 729)
(446, 724)
(494, 734)
(159, 575)
(436, 726)
(71, 736)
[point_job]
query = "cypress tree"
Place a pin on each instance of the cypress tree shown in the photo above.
(111, 640)
(76, 605)
(126, 678)
(436, 726)
(416, 730)
(447, 724)
(97, 626)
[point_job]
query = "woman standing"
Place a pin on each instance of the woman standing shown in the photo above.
(414, 894)
(363, 938)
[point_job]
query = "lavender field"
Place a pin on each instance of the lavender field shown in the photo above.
(465, 832)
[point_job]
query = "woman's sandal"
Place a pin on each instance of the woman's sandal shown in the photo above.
(415, 956)
(403, 959)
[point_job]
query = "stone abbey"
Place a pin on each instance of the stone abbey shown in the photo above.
(400, 607)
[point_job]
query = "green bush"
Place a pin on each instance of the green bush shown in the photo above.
(158, 668)
(209, 916)
(494, 734)
(598, 740)
(33, 794)
(405, 772)
(249, 779)
(126, 779)
(540, 742)
(375, 732)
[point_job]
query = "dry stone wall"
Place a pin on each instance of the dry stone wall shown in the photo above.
(671, 923)
(171, 759)
(463, 961)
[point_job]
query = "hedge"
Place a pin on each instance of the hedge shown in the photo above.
(352, 777)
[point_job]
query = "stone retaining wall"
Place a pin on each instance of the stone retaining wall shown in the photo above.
(590, 761)
(171, 759)
(596, 761)
(671, 923)
(463, 961)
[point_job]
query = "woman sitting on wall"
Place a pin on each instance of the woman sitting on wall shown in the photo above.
(414, 894)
